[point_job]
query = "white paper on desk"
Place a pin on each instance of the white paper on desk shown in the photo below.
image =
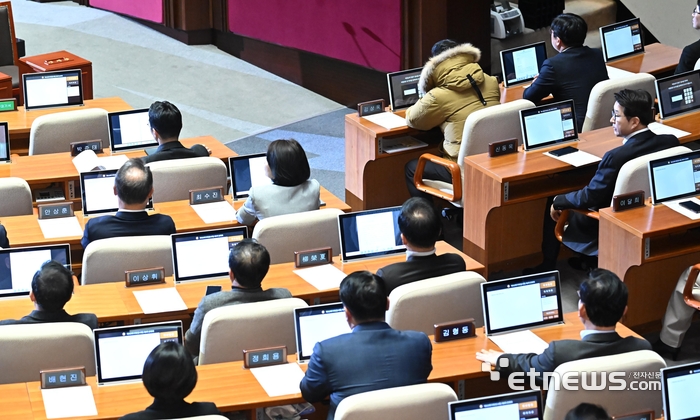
(279, 379)
(577, 159)
(61, 227)
(322, 277)
(220, 211)
(615, 73)
(87, 160)
(675, 205)
(387, 120)
(658, 128)
(160, 300)
(519, 342)
(73, 401)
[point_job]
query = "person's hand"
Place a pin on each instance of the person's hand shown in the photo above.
(554, 213)
(488, 356)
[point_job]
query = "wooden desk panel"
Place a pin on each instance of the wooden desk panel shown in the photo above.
(5, 86)
(38, 64)
(15, 403)
(657, 59)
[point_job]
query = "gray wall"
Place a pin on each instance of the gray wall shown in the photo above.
(669, 20)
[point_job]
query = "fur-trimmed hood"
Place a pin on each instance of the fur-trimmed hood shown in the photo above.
(460, 56)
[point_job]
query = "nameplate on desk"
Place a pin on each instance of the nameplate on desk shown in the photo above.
(8, 105)
(265, 357)
(628, 201)
(313, 257)
(206, 195)
(61, 378)
(56, 210)
(144, 276)
(455, 330)
(77, 147)
(370, 107)
(500, 148)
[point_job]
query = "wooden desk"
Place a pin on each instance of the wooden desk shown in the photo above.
(38, 64)
(657, 60)
(5, 86)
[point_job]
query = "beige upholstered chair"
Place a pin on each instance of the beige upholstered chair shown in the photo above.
(282, 235)
(228, 330)
(495, 123)
(16, 197)
(27, 349)
(8, 46)
(601, 99)
(173, 179)
(106, 260)
(414, 402)
(53, 133)
(615, 402)
(697, 65)
(420, 305)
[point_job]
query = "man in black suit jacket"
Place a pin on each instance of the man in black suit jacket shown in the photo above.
(573, 72)
(602, 303)
(691, 53)
(133, 187)
(420, 228)
(52, 288)
(166, 124)
(4, 242)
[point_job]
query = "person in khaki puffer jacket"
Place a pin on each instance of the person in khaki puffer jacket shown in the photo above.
(452, 86)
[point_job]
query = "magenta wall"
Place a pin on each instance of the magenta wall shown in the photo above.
(364, 32)
(143, 9)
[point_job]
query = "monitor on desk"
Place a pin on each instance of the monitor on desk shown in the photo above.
(313, 324)
(370, 233)
(18, 266)
(247, 171)
(621, 39)
(522, 64)
(52, 89)
(526, 405)
(129, 130)
(548, 125)
(4, 142)
(674, 177)
(203, 255)
(678, 94)
(98, 196)
(679, 388)
(403, 88)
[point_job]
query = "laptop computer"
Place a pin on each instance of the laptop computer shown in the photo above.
(678, 94)
(679, 389)
(674, 177)
(621, 39)
(370, 233)
(247, 171)
(548, 125)
(18, 266)
(313, 324)
(526, 405)
(4, 142)
(522, 303)
(97, 191)
(120, 352)
(129, 130)
(203, 255)
(52, 89)
(403, 88)
(521, 65)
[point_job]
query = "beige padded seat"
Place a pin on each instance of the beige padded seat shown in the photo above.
(173, 179)
(16, 197)
(53, 133)
(601, 99)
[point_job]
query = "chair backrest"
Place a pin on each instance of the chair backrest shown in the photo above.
(173, 179)
(228, 330)
(634, 175)
(420, 305)
(601, 99)
(27, 349)
(106, 260)
(16, 197)
(615, 402)
(53, 133)
(697, 65)
(282, 235)
(8, 43)
(413, 402)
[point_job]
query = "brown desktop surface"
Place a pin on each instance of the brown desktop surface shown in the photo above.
(656, 59)
(63, 60)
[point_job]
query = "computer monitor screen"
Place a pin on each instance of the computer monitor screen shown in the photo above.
(370, 233)
(526, 405)
(678, 93)
(548, 125)
(522, 302)
(204, 254)
(4, 142)
(522, 64)
(621, 39)
(130, 130)
(674, 177)
(53, 88)
(18, 266)
(403, 88)
(120, 352)
(680, 386)
(247, 171)
(317, 323)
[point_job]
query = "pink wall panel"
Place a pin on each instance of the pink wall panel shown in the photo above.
(365, 32)
(143, 9)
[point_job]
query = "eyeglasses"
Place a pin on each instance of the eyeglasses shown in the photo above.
(615, 116)
(695, 11)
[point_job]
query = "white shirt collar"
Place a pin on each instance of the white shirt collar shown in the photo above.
(624, 139)
(131, 211)
(410, 254)
(584, 333)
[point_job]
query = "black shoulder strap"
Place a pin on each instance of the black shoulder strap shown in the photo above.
(476, 88)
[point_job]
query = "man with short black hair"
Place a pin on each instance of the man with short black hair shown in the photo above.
(420, 228)
(248, 264)
(133, 187)
(373, 356)
(52, 288)
(166, 122)
(691, 53)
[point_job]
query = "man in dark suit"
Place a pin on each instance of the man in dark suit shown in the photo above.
(166, 124)
(373, 356)
(691, 53)
(52, 288)
(133, 187)
(602, 303)
(4, 242)
(420, 228)
(573, 72)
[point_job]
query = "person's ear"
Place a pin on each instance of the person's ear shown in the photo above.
(150, 194)
(114, 188)
(387, 303)
(582, 312)
(403, 239)
(231, 276)
(349, 318)
(33, 298)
